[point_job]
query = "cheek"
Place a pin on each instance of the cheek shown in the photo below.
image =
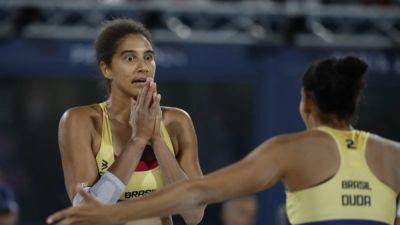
(119, 67)
(124, 69)
(152, 67)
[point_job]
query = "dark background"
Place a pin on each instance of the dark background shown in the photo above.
(238, 95)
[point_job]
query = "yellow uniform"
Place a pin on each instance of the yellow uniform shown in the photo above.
(143, 181)
(354, 195)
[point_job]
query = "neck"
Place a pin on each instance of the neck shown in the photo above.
(334, 123)
(119, 107)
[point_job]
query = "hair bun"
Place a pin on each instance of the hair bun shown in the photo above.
(351, 66)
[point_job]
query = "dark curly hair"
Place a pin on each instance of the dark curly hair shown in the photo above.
(336, 85)
(111, 33)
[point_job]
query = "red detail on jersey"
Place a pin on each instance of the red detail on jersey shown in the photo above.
(153, 164)
(143, 165)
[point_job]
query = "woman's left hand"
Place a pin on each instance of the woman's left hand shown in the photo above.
(90, 212)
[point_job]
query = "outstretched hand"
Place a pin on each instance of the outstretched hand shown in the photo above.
(90, 212)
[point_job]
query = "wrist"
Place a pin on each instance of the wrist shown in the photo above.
(157, 138)
(157, 142)
(118, 216)
(139, 140)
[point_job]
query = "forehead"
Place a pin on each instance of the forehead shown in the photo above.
(135, 42)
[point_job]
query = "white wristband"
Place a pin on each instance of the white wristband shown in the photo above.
(398, 209)
(107, 190)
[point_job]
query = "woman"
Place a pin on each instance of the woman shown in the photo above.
(333, 174)
(127, 146)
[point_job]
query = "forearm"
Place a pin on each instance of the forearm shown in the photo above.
(237, 180)
(258, 171)
(125, 165)
(171, 170)
(170, 200)
(184, 196)
(112, 183)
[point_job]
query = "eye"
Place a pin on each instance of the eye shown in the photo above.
(148, 57)
(130, 58)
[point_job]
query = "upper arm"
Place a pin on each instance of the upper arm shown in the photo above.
(74, 138)
(183, 128)
(395, 165)
(259, 170)
(383, 156)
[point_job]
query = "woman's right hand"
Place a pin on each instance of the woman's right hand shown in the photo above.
(144, 112)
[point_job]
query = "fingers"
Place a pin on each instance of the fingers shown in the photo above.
(133, 110)
(149, 95)
(66, 221)
(57, 217)
(133, 104)
(143, 92)
(146, 94)
(156, 112)
(88, 198)
(155, 106)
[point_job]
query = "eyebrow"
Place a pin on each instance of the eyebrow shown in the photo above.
(133, 51)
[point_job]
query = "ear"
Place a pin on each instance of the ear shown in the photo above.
(309, 101)
(105, 69)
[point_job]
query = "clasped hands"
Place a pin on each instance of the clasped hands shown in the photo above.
(146, 114)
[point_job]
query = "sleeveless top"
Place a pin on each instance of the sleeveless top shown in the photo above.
(354, 195)
(147, 176)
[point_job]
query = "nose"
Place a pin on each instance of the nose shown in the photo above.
(142, 67)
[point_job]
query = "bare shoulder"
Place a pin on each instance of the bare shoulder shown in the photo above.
(180, 128)
(383, 143)
(173, 114)
(283, 150)
(82, 116)
(295, 150)
(383, 156)
(300, 140)
(280, 144)
(382, 147)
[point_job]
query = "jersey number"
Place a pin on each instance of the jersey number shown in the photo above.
(350, 144)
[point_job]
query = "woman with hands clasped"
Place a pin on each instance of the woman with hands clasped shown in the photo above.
(127, 146)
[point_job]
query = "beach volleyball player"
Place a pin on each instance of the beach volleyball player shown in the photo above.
(127, 146)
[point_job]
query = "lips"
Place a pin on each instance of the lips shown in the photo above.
(138, 80)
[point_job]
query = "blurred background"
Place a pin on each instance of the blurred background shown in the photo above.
(235, 66)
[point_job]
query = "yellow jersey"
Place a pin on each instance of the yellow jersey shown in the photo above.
(354, 194)
(146, 178)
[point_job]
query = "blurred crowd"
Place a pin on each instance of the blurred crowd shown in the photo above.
(363, 2)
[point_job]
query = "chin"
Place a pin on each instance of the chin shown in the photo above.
(132, 93)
